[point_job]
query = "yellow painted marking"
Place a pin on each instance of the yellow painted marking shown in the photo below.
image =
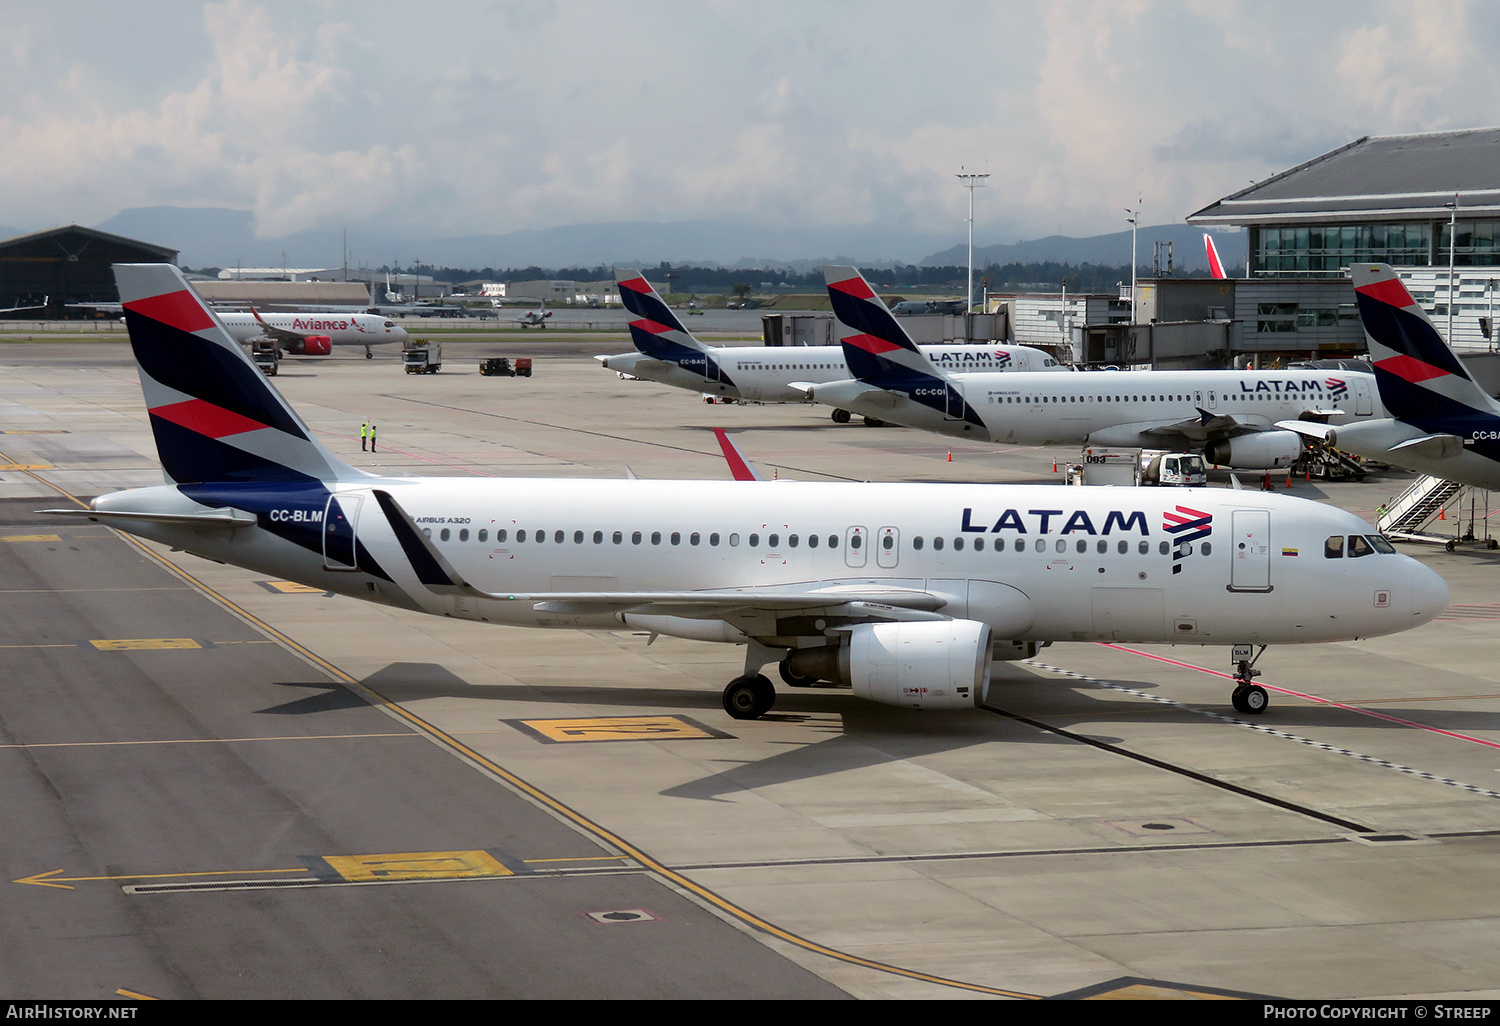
(136, 644)
(29, 537)
(137, 995)
(416, 865)
(293, 588)
(208, 740)
(25, 466)
(619, 728)
(51, 879)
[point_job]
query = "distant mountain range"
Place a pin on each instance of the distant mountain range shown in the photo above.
(219, 237)
(1188, 251)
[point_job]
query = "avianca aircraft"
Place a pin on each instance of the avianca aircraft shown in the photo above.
(1230, 415)
(904, 593)
(668, 353)
(1440, 422)
(314, 334)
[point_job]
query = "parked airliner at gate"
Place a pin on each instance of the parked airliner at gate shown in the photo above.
(668, 353)
(904, 593)
(1230, 415)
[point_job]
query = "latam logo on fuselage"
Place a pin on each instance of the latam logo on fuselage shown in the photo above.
(1291, 386)
(999, 358)
(1044, 521)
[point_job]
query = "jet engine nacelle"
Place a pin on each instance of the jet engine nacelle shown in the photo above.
(317, 345)
(931, 664)
(1266, 450)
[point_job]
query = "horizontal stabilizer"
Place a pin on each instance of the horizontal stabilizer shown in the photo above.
(1431, 446)
(216, 518)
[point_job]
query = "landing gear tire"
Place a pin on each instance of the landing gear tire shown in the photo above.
(369, 355)
(840, 416)
(872, 422)
(795, 680)
(1250, 699)
(748, 698)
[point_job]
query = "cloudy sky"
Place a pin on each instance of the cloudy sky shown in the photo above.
(459, 117)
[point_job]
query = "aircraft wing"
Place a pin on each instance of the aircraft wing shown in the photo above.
(281, 335)
(1199, 430)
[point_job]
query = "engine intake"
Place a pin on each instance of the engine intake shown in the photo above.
(1265, 450)
(928, 664)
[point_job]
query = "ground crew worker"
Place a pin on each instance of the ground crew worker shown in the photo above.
(364, 435)
(372, 437)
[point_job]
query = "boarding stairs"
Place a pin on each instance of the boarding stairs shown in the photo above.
(1429, 499)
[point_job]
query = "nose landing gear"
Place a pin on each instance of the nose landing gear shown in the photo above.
(1248, 697)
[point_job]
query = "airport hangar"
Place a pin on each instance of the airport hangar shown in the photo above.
(68, 265)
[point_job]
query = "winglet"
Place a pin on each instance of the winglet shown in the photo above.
(739, 466)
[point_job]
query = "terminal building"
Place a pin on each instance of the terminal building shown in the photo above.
(1428, 204)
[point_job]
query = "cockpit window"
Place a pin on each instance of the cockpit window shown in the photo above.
(1359, 547)
(1333, 548)
(1380, 544)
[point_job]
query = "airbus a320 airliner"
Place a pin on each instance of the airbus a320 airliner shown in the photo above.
(904, 593)
(1230, 415)
(668, 353)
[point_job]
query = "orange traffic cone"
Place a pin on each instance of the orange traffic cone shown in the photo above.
(1054, 465)
(950, 455)
(1442, 513)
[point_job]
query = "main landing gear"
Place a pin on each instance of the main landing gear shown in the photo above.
(749, 697)
(1248, 697)
(840, 416)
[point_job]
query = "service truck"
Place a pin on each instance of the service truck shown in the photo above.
(422, 357)
(1130, 467)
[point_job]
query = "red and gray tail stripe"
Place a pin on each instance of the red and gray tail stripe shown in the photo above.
(879, 352)
(1420, 379)
(213, 413)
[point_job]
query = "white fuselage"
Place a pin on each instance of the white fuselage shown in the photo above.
(343, 329)
(1035, 563)
(765, 373)
(1121, 408)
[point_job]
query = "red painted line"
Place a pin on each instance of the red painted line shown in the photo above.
(1312, 698)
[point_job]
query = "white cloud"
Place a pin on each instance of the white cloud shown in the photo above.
(476, 117)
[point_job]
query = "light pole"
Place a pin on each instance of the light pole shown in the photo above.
(971, 182)
(1135, 215)
(1452, 237)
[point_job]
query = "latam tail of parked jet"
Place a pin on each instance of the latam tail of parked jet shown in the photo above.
(903, 593)
(1441, 422)
(667, 352)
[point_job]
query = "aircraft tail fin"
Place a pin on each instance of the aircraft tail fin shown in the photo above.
(1215, 265)
(876, 347)
(215, 416)
(656, 330)
(1421, 380)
